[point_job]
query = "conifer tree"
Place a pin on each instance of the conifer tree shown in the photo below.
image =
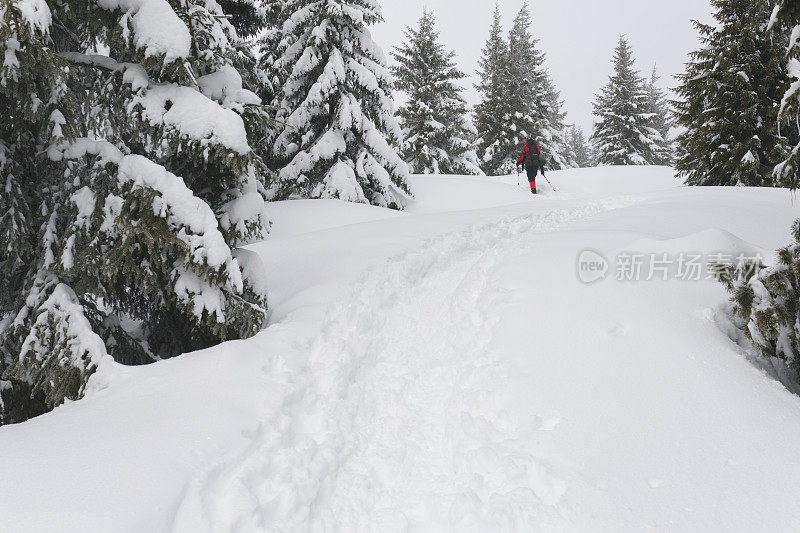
(519, 99)
(271, 47)
(340, 137)
(494, 108)
(730, 98)
(552, 135)
(660, 122)
(535, 106)
(786, 19)
(621, 135)
(766, 303)
(132, 185)
(438, 133)
(578, 154)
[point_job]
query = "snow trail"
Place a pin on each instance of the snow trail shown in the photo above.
(397, 420)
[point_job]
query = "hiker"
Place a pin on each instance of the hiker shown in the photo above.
(531, 161)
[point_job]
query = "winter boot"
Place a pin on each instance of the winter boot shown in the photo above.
(533, 187)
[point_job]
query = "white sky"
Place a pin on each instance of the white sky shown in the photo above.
(578, 37)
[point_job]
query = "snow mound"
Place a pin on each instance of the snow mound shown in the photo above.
(296, 217)
(710, 241)
(437, 194)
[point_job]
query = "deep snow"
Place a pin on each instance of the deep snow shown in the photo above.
(445, 369)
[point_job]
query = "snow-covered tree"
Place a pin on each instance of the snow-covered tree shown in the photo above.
(519, 99)
(340, 137)
(247, 17)
(622, 134)
(578, 153)
(494, 107)
(766, 300)
(552, 136)
(438, 133)
(660, 122)
(271, 47)
(766, 303)
(730, 98)
(132, 184)
(786, 18)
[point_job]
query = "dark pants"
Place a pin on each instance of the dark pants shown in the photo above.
(533, 170)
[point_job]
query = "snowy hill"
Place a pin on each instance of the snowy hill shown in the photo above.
(446, 369)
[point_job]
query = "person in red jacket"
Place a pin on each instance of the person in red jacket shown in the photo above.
(531, 161)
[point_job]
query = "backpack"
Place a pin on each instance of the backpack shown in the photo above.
(534, 155)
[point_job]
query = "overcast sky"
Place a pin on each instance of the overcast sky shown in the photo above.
(578, 37)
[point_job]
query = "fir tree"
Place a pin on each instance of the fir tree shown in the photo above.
(660, 122)
(247, 17)
(438, 133)
(621, 133)
(766, 300)
(730, 97)
(578, 154)
(271, 46)
(340, 136)
(787, 19)
(490, 113)
(552, 135)
(766, 303)
(132, 184)
(535, 106)
(520, 101)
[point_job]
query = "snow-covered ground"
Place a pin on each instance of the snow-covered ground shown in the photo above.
(444, 369)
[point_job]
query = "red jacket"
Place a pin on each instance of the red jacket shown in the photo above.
(526, 152)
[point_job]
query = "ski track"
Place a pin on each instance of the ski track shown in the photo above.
(396, 422)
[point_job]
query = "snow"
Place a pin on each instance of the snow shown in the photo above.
(10, 59)
(36, 14)
(194, 116)
(191, 218)
(182, 209)
(246, 208)
(225, 86)
(443, 369)
(156, 27)
(63, 315)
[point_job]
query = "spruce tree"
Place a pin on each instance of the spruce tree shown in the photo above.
(438, 133)
(271, 47)
(490, 114)
(660, 122)
(340, 137)
(786, 19)
(552, 135)
(132, 185)
(766, 303)
(535, 106)
(621, 132)
(519, 99)
(578, 154)
(730, 98)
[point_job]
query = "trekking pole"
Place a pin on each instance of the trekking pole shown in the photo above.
(517, 176)
(551, 185)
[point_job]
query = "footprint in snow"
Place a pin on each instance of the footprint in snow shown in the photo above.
(619, 330)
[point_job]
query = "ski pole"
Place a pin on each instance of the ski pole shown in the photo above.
(551, 185)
